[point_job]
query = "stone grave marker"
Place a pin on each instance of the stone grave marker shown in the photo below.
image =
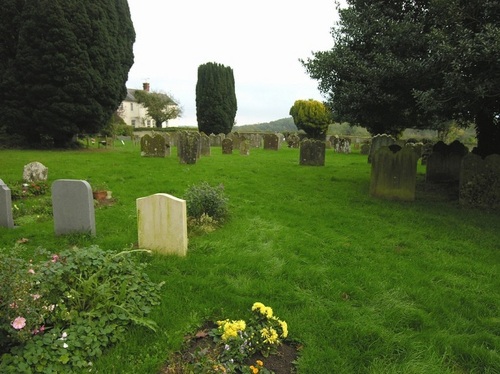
(153, 146)
(444, 163)
(364, 149)
(312, 152)
(73, 207)
(480, 181)
(293, 141)
(35, 171)
(271, 142)
(188, 147)
(6, 219)
(378, 141)
(394, 173)
(162, 224)
(204, 144)
(245, 147)
(227, 146)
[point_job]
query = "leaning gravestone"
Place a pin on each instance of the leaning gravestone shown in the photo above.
(394, 173)
(312, 152)
(162, 224)
(378, 141)
(444, 163)
(34, 172)
(153, 146)
(189, 147)
(73, 207)
(227, 146)
(271, 142)
(480, 181)
(6, 219)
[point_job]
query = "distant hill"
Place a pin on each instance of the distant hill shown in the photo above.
(280, 125)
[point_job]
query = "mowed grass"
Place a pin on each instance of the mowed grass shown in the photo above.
(366, 285)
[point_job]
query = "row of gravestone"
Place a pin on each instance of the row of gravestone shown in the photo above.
(393, 173)
(161, 218)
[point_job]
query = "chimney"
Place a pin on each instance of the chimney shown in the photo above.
(145, 87)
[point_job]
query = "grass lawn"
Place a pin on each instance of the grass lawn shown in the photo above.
(365, 285)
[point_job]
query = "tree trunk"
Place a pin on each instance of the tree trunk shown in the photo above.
(487, 133)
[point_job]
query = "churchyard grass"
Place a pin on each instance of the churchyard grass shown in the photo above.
(366, 285)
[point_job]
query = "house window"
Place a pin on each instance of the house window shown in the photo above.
(131, 107)
(133, 122)
(148, 123)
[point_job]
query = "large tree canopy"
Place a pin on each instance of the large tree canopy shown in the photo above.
(216, 103)
(414, 64)
(65, 66)
(311, 116)
(160, 106)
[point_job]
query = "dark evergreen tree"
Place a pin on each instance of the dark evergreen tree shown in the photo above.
(216, 103)
(69, 69)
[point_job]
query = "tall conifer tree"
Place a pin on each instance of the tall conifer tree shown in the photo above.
(216, 103)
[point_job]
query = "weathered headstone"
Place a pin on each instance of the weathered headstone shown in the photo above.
(188, 147)
(271, 142)
(34, 172)
(444, 163)
(162, 224)
(204, 144)
(312, 152)
(153, 146)
(365, 149)
(394, 173)
(293, 141)
(378, 141)
(6, 219)
(480, 181)
(73, 207)
(245, 148)
(227, 146)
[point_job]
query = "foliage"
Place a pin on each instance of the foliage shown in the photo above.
(414, 64)
(204, 200)
(312, 116)
(216, 103)
(57, 315)
(64, 67)
(160, 106)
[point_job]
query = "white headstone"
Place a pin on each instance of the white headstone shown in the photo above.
(162, 224)
(73, 207)
(35, 171)
(6, 219)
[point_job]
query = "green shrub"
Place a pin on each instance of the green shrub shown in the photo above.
(205, 200)
(59, 314)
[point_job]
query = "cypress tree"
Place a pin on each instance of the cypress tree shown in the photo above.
(68, 67)
(216, 103)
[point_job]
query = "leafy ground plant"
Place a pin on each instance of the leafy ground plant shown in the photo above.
(58, 314)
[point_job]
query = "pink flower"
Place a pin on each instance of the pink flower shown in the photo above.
(36, 296)
(54, 258)
(19, 323)
(31, 271)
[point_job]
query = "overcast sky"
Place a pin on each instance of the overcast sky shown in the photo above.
(261, 40)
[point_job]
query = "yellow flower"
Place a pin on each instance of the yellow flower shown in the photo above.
(259, 363)
(264, 310)
(284, 328)
(270, 335)
(254, 369)
(231, 328)
(257, 306)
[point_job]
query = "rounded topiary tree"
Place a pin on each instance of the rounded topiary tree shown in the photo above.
(312, 116)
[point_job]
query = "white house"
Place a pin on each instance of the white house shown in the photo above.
(135, 114)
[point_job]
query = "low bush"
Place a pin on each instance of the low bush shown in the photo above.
(58, 314)
(205, 200)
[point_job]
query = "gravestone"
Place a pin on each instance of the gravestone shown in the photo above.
(236, 138)
(34, 172)
(168, 144)
(153, 146)
(293, 141)
(216, 140)
(271, 142)
(188, 147)
(364, 149)
(378, 141)
(480, 181)
(6, 219)
(394, 173)
(73, 207)
(312, 152)
(426, 151)
(227, 146)
(444, 163)
(245, 148)
(204, 144)
(162, 224)
(255, 140)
